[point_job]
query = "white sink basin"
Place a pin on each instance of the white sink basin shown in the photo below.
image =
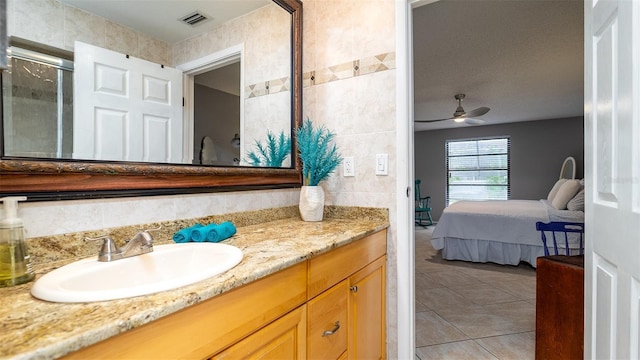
(167, 267)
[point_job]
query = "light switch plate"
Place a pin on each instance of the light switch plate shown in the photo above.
(382, 164)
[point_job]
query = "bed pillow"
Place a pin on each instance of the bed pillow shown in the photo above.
(577, 203)
(566, 192)
(555, 188)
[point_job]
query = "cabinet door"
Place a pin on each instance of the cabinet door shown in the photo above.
(285, 338)
(327, 333)
(367, 328)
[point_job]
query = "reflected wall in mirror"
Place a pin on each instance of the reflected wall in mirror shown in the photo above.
(217, 115)
(270, 98)
(121, 122)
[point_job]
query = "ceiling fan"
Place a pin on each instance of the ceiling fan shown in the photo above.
(462, 116)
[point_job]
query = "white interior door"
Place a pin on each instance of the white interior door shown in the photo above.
(125, 108)
(612, 161)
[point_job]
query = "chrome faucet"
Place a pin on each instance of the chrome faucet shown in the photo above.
(141, 243)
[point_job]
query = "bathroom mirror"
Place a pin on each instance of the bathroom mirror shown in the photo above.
(46, 178)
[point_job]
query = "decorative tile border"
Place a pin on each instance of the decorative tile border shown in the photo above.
(347, 70)
(267, 87)
(364, 66)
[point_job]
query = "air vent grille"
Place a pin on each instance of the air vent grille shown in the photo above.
(194, 18)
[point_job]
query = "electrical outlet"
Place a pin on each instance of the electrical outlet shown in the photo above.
(348, 167)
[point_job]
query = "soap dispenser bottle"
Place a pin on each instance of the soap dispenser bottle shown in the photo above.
(15, 265)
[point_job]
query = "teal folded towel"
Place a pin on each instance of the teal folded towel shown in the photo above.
(214, 232)
(200, 234)
(221, 232)
(185, 234)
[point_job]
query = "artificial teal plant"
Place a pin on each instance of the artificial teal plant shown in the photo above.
(273, 153)
(318, 153)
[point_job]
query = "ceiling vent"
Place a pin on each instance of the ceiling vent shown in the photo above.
(194, 18)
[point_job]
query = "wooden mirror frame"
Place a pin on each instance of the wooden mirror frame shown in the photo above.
(41, 179)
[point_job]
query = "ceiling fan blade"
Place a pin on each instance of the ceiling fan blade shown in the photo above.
(430, 121)
(472, 121)
(476, 112)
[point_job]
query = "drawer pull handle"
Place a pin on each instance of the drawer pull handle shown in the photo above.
(331, 332)
(354, 288)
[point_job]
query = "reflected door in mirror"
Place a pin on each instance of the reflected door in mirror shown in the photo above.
(126, 109)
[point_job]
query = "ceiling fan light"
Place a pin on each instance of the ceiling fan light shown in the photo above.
(459, 120)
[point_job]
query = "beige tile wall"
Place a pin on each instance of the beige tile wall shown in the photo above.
(53, 23)
(264, 35)
(349, 49)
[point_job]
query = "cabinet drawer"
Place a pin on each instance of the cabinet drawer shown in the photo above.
(326, 312)
(328, 269)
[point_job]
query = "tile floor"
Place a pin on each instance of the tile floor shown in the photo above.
(472, 311)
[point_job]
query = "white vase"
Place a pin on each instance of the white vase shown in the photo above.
(311, 203)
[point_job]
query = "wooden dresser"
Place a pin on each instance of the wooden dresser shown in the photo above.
(560, 307)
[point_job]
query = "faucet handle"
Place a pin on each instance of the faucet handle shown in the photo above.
(147, 236)
(108, 245)
(156, 229)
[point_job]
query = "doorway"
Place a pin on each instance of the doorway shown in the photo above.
(216, 116)
(213, 93)
(456, 60)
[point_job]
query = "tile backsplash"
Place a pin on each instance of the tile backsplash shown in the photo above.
(46, 249)
(62, 217)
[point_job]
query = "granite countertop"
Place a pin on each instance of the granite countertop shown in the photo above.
(36, 329)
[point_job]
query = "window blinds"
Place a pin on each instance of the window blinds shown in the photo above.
(478, 169)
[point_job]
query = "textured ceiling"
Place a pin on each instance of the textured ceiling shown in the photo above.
(523, 59)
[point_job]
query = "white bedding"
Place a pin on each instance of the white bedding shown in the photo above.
(497, 231)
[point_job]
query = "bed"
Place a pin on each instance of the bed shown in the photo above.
(504, 231)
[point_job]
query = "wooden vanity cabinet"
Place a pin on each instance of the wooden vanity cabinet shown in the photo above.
(282, 316)
(353, 275)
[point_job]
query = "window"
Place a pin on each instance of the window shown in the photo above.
(478, 169)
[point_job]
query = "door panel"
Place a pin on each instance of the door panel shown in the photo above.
(111, 80)
(111, 130)
(605, 282)
(157, 138)
(612, 183)
(157, 90)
